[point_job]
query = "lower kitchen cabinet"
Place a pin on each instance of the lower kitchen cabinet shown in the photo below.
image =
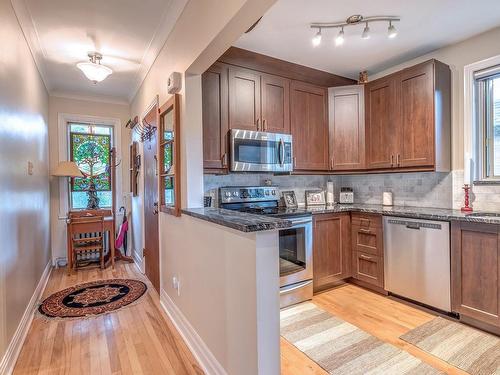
(332, 250)
(475, 273)
(367, 249)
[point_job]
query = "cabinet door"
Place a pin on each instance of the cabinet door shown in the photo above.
(275, 104)
(416, 116)
(309, 126)
(381, 131)
(331, 255)
(347, 127)
(475, 271)
(244, 99)
(215, 116)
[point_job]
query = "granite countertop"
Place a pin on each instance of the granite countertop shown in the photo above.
(246, 222)
(241, 221)
(426, 213)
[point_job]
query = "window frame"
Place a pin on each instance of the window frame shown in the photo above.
(484, 127)
(175, 170)
(111, 136)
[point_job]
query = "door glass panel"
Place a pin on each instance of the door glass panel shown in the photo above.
(292, 250)
(167, 157)
(169, 190)
(168, 126)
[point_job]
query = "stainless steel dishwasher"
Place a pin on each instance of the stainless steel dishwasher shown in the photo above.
(417, 260)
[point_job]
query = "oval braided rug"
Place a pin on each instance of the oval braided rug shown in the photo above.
(93, 298)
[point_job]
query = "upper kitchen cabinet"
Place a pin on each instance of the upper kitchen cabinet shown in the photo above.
(381, 130)
(309, 126)
(275, 104)
(244, 99)
(215, 117)
(347, 127)
(408, 119)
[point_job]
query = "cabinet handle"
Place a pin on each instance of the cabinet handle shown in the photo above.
(258, 124)
(365, 257)
(367, 231)
(331, 164)
(264, 126)
(392, 161)
(398, 160)
(224, 160)
(294, 161)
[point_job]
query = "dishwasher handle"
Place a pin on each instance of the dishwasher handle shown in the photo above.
(416, 225)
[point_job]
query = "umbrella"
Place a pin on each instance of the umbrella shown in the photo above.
(122, 233)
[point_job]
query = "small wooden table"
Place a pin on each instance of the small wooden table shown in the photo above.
(109, 226)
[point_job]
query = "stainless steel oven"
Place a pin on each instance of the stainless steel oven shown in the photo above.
(253, 151)
(296, 273)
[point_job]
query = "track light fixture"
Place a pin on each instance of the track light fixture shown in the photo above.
(339, 40)
(316, 41)
(353, 21)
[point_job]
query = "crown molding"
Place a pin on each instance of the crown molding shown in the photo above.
(170, 16)
(88, 98)
(28, 28)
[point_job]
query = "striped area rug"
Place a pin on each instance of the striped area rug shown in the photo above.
(341, 348)
(469, 349)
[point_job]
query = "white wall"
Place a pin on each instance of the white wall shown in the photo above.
(58, 105)
(457, 56)
(24, 198)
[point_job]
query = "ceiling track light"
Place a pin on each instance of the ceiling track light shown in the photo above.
(93, 69)
(354, 20)
(339, 40)
(316, 40)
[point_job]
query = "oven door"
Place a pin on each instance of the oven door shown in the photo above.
(295, 249)
(260, 152)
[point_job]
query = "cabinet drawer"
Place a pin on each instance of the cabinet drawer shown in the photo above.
(369, 268)
(367, 240)
(367, 221)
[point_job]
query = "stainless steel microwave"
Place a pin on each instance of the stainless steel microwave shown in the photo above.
(253, 151)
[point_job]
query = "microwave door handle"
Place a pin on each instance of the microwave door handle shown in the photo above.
(282, 152)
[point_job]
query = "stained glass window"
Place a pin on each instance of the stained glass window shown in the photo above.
(90, 147)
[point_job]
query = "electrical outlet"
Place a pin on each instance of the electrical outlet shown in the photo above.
(30, 168)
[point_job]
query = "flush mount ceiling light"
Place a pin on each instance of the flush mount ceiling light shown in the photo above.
(93, 70)
(353, 21)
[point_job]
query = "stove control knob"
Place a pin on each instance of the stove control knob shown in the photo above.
(267, 192)
(235, 193)
(273, 192)
(227, 194)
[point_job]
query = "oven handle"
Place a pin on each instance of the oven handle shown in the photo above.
(282, 152)
(293, 287)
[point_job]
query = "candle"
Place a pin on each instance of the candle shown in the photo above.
(467, 167)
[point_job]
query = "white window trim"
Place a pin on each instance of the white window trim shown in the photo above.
(62, 132)
(471, 151)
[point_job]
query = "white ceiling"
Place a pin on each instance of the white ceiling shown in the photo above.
(425, 25)
(129, 34)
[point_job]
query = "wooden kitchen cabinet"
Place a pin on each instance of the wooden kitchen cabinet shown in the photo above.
(275, 104)
(331, 250)
(309, 126)
(346, 127)
(408, 119)
(475, 273)
(215, 117)
(244, 99)
(367, 249)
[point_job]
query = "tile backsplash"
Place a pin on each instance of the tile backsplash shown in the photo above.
(425, 189)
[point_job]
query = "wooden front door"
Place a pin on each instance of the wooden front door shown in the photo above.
(151, 234)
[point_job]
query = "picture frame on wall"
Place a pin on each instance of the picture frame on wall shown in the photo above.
(290, 199)
(315, 198)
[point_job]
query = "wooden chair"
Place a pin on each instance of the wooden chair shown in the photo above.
(79, 229)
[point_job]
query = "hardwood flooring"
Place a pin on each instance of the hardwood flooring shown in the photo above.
(138, 339)
(378, 315)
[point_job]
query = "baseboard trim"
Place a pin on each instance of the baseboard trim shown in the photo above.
(138, 261)
(16, 343)
(200, 350)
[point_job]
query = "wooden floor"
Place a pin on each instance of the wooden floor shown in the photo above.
(378, 315)
(138, 339)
